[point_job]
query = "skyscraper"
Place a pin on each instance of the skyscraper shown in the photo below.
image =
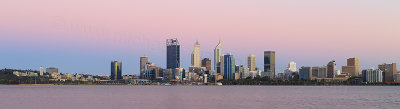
(388, 71)
(269, 61)
(222, 65)
(352, 68)
(206, 63)
(331, 69)
(217, 55)
(173, 53)
(41, 71)
(196, 55)
(251, 62)
(116, 70)
(143, 62)
(229, 67)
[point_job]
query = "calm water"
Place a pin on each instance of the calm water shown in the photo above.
(198, 97)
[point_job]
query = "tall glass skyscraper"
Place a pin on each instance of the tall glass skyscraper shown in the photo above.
(269, 61)
(173, 53)
(229, 67)
(217, 55)
(116, 70)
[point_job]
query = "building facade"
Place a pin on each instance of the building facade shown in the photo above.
(143, 61)
(116, 70)
(217, 55)
(269, 61)
(251, 62)
(206, 63)
(229, 67)
(372, 75)
(331, 69)
(305, 73)
(196, 61)
(388, 71)
(352, 68)
(173, 53)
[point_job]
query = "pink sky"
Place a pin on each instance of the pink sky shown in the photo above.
(310, 32)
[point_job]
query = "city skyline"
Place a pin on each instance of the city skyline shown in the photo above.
(78, 39)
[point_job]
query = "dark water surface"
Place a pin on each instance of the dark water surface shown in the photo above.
(198, 97)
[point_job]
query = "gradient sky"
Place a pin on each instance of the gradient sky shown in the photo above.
(84, 36)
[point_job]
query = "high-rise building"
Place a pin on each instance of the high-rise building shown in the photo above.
(52, 70)
(352, 68)
(206, 63)
(143, 62)
(331, 69)
(269, 61)
(388, 71)
(229, 67)
(291, 67)
(116, 70)
(222, 65)
(41, 71)
(251, 62)
(173, 53)
(372, 75)
(217, 55)
(196, 62)
(305, 73)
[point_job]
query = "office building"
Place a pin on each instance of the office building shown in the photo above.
(116, 70)
(352, 68)
(396, 77)
(217, 59)
(196, 62)
(269, 61)
(52, 70)
(229, 67)
(305, 73)
(331, 69)
(388, 71)
(251, 62)
(372, 75)
(222, 66)
(173, 53)
(143, 61)
(206, 63)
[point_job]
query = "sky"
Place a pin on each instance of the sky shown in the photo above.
(84, 36)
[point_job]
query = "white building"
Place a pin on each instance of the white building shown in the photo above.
(41, 71)
(373, 75)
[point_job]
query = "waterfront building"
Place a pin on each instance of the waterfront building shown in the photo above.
(305, 73)
(269, 61)
(251, 62)
(352, 68)
(52, 70)
(116, 70)
(217, 59)
(388, 71)
(372, 75)
(206, 63)
(229, 67)
(396, 77)
(331, 69)
(173, 53)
